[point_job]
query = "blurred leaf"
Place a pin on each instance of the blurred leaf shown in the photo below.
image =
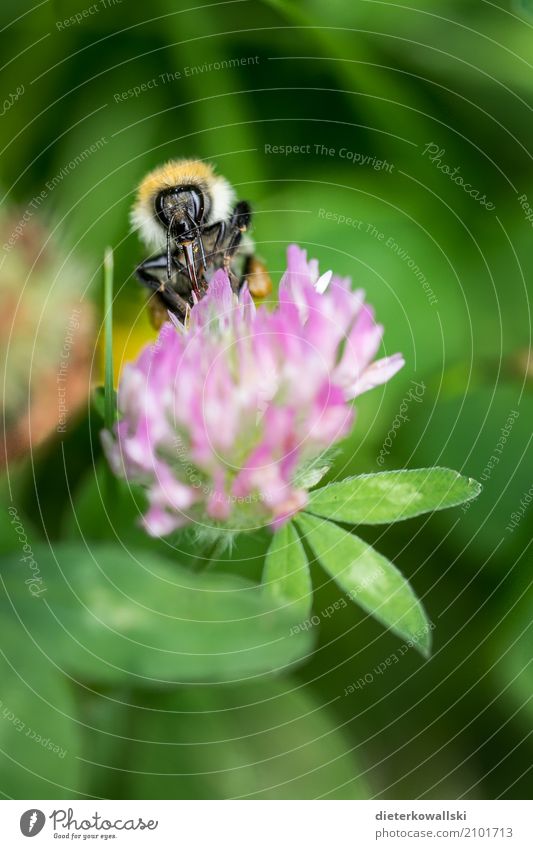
(261, 740)
(110, 397)
(499, 41)
(45, 492)
(39, 738)
(98, 401)
(488, 430)
(384, 97)
(105, 615)
(98, 514)
(513, 670)
(15, 528)
(286, 575)
(391, 496)
(369, 579)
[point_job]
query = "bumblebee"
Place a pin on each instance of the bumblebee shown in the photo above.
(187, 214)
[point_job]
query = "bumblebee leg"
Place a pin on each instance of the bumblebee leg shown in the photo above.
(152, 273)
(157, 311)
(221, 235)
(241, 216)
(257, 277)
(238, 224)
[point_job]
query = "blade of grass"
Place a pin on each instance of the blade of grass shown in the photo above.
(109, 392)
(109, 399)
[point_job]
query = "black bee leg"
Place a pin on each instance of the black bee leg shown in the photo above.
(152, 273)
(215, 237)
(220, 237)
(238, 224)
(241, 216)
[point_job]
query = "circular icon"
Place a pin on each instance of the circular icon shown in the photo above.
(32, 822)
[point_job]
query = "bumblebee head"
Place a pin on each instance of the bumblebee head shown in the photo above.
(178, 196)
(180, 208)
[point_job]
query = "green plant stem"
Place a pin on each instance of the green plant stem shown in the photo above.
(109, 393)
(203, 562)
(109, 398)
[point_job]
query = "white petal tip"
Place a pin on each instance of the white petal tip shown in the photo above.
(323, 282)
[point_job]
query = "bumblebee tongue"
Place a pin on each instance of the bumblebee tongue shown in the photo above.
(191, 266)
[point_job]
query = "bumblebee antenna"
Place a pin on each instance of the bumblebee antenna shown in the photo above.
(169, 228)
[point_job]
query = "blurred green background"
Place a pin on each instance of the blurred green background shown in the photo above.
(367, 91)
